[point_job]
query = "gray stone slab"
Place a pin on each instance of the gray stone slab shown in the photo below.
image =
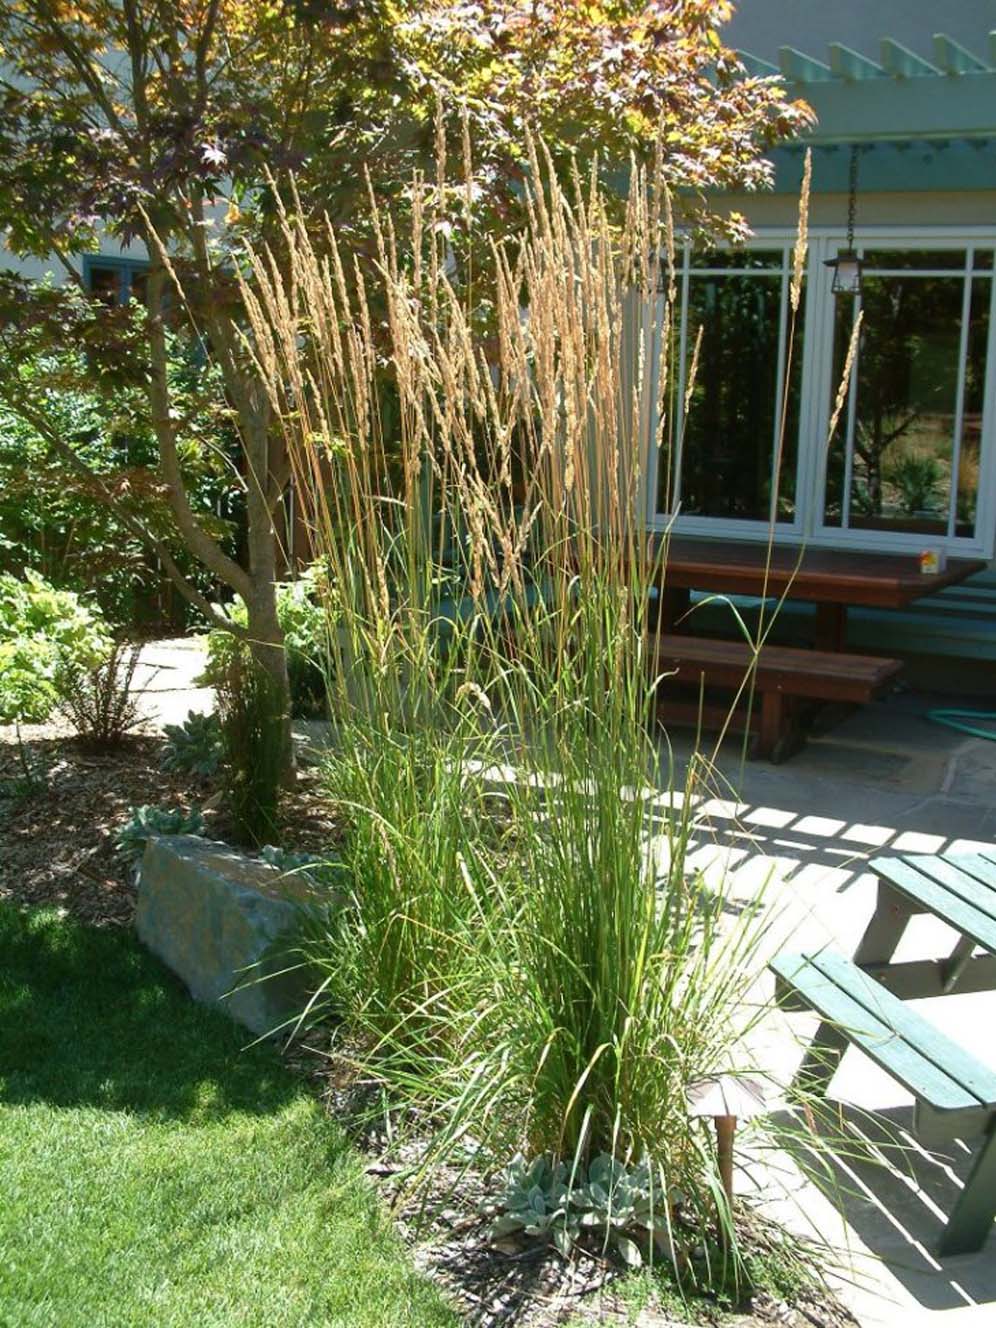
(227, 926)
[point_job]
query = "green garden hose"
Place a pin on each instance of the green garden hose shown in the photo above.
(956, 719)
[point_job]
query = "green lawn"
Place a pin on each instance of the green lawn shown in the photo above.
(154, 1173)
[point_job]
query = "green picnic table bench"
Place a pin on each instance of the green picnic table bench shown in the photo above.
(861, 1002)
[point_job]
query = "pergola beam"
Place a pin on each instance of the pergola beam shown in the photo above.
(953, 58)
(849, 64)
(755, 67)
(798, 67)
(869, 110)
(901, 62)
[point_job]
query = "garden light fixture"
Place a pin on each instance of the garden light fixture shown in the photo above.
(725, 1098)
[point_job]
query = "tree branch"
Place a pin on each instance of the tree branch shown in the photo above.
(198, 541)
(84, 70)
(190, 592)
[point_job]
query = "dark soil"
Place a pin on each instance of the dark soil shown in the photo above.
(57, 833)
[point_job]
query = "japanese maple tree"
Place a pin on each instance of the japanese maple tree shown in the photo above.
(176, 125)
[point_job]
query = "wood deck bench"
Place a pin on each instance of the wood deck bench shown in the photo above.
(955, 1093)
(784, 677)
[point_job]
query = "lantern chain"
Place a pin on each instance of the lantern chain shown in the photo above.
(852, 195)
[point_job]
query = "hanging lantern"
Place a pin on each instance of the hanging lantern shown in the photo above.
(847, 265)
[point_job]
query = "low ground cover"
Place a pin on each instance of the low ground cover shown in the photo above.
(156, 1173)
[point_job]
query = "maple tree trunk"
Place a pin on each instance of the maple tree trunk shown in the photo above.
(266, 636)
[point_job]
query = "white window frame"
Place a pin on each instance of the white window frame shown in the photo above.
(817, 392)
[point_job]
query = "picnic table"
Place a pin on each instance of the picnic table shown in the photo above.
(863, 1002)
(832, 579)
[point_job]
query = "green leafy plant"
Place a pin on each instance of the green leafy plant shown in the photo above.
(619, 1207)
(304, 623)
(147, 822)
(100, 702)
(250, 712)
(918, 477)
(63, 523)
(41, 630)
(195, 746)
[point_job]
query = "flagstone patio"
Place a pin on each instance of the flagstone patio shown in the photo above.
(885, 781)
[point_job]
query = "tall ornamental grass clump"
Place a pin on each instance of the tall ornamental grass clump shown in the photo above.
(528, 958)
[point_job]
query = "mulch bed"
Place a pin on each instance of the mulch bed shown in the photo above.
(515, 1282)
(57, 838)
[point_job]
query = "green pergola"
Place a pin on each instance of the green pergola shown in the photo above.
(925, 124)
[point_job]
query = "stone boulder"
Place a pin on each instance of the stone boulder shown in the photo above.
(226, 924)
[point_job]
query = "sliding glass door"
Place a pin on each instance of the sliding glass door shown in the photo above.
(731, 458)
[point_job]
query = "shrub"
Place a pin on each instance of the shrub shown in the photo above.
(303, 621)
(918, 477)
(145, 823)
(194, 747)
(99, 702)
(251, 716)
(42, 630)
(55, 520)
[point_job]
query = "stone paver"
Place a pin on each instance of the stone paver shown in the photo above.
(166, 680)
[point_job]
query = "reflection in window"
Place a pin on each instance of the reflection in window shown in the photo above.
(731, 436)
(905, 455)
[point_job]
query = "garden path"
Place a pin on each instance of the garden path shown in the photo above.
(166, 680)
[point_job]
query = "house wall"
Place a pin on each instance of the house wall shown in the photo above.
(37, 269)
(913, 208)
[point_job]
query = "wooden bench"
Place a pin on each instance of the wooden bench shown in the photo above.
(783, 677)
(955, 1094)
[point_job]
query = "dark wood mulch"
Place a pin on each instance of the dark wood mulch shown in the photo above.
(516, 1283)
(57, 836)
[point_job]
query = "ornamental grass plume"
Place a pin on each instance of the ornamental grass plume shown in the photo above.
(529, 960)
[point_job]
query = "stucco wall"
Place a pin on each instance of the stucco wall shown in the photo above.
(892, 209)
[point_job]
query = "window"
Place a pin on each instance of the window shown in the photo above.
(115, 280)
(905, 456)
(912, 455)
(734, 306)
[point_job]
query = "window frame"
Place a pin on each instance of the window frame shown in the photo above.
(817, 391)
(128, 268)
